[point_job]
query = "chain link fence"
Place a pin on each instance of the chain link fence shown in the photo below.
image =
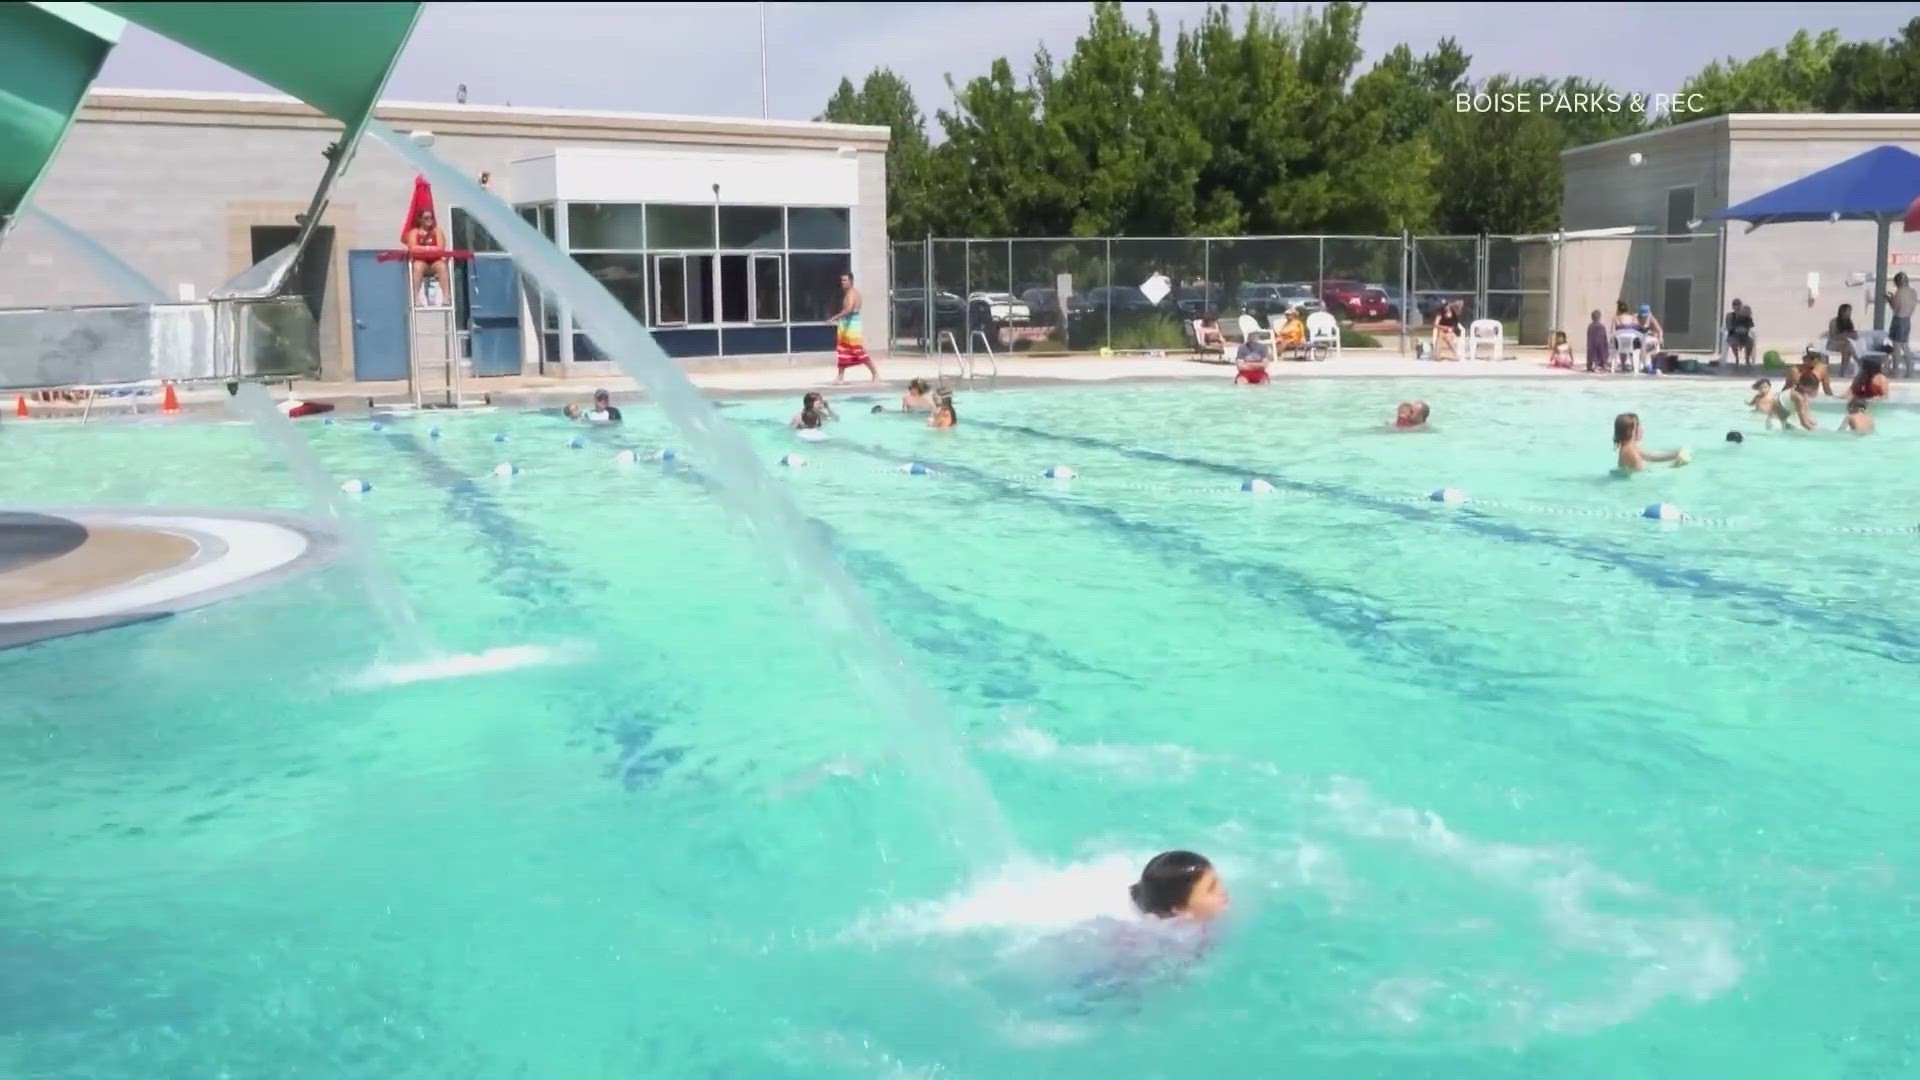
(1136, 294)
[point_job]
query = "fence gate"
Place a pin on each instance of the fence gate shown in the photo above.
(1518, 277)
(1446, 269)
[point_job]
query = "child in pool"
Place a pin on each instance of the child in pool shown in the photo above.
(1179, 885)
(1799, 401)
(1767, 403)
(1632, 459)
(814, 412)
(943, 415)
(1859, 420)
(1411, 416)
(916, 398)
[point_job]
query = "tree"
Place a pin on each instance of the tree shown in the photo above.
(1793, 79)
(1502, 168)
(885, 100)
(1876, 77)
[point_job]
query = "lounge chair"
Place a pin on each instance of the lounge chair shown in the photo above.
(1323, 335)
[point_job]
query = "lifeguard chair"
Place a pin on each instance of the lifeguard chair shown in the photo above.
(437, 366)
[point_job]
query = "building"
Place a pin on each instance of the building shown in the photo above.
(726, 237)
(1665, 183)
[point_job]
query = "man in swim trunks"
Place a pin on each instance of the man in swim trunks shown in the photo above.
(849, 349)
(1251, 364)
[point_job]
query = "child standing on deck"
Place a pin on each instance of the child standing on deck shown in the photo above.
(1599, 348)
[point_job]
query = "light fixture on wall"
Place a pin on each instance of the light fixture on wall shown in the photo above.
(460, 95)
(1636, 159)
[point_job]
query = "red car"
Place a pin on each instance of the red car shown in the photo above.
(1354, 300)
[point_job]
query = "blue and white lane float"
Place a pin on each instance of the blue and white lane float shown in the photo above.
(1448, 495)
(667, 454)
(1256, 486)
(356, 487)
(915, 468)
(1060, 472)
(499, 436)
(626, 457)
(506, 468)
(578, 442)
(1663, 512)
(433, 432)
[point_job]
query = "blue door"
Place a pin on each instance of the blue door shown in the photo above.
(493, 315)
(377, 292)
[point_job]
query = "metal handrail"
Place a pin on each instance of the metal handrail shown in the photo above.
(962, 361)
(993, 365)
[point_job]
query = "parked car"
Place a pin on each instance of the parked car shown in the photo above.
(1194, 301)
(1121, 299)
(990, 308)
(1044, 305)
(1265, 299)
(1396, 303)
(1354, 299)
(910, 306)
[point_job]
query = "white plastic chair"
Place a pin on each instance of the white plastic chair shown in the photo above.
(1488, 331)
(1628, 345)
(1250, 329)
(1322, 330)
(1876, 344)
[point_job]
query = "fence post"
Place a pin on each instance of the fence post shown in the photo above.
(1554, 320)
(1206, 277)
(1407, 304)
(926, 299)
(1108, 342)
(1320, 262)
(966, 294)
(1480, 279)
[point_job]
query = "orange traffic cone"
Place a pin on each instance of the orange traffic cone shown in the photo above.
(20, 406)
(169, 401)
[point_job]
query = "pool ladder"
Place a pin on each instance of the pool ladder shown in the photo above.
(965, 363)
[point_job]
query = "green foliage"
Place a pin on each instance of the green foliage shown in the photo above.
(1265, 124)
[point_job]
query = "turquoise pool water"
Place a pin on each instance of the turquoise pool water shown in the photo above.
(1525, 787)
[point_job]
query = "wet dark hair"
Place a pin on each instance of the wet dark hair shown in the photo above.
(1734, 436)
(1168, 881)
(1761, 384)
(812, 396)
(1624, 427)
(1857, 405)
(918, 386)
(878, 408)
(1808, 382)
(944, 400)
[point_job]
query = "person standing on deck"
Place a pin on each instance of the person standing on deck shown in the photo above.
(848, 348)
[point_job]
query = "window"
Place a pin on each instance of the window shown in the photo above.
(752, 227)
(605, 227)
(683, 227)
(819, 228)
(813, 285)
(767, 293)
(545, 220)
(625, 276)
(1679, 212)
(735, 303)
(670, 290)
(1676, 306)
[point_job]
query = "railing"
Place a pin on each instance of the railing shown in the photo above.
(962, 362)
(1084, 295)
(993, 366)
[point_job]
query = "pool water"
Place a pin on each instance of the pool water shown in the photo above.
(1520, 787)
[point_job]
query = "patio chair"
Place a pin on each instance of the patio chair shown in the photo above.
(1629, 348)
(1251, 330)
(1323, 331)
(1488, 332)
(1200, 351)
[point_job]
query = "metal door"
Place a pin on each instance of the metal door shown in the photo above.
(493, 315)
(377, 293)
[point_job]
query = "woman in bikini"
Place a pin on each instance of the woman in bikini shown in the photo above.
(426, 249)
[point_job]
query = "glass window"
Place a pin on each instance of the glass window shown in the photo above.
(767, 293)
(736, 301)
(604, 227)
(681, 227)
(670, 290)
(819, 228)
(813, 285)
(752, 227)
(545, 222)
(625, 276)
(700, 289)
(1679, 211)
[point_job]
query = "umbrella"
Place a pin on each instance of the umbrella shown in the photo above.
(422, 200)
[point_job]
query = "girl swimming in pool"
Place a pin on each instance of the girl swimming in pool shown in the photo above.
(943, 414)
(814, 412)
(1179, 885)
(917, 398)
(1626, 440)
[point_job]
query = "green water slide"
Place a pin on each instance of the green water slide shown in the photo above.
(49, 55)
(335, 57)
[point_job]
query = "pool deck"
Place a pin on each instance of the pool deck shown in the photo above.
(67, 572)
(778, 379)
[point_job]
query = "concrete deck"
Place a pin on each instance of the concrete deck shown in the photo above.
(779, 380)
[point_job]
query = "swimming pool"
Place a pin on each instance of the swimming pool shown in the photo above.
(1526, 786)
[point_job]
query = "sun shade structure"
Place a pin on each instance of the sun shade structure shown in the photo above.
(1878, 186)
(334, 57)
(49, 55)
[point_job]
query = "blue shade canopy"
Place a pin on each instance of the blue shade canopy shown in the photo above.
(1878, 185)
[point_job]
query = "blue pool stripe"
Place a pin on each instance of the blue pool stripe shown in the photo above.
(998, 663)
(526, 570)
(1901, 644)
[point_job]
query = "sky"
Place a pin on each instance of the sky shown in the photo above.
(703, 59)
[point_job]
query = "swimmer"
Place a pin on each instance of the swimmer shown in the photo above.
(814, 412)
(1411, 415)
(917, 398)
(1768, 404)
(943, 415)
(1626, 440)
(877, 410)
(1736, 437)
(1859, 420)
(573, 413)
(1179, 885)
(1799, 402)
(604, 411)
